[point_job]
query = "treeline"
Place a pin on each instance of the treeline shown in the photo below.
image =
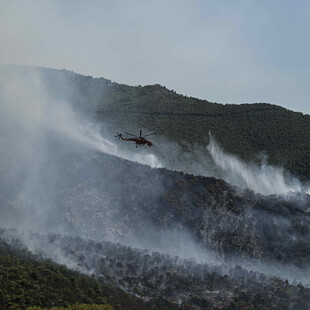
(27, 282)
(247, 130)
(76, 306)
(157, 277)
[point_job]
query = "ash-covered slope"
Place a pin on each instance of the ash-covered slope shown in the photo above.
(149, 204)
(104, 197)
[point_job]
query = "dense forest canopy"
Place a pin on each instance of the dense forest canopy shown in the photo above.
(28, 281)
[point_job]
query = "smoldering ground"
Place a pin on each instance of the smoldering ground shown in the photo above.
(56, 178)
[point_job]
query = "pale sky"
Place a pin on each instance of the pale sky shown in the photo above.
(223, 51)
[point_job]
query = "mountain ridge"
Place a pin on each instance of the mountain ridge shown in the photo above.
(56, 177)
(245, 130)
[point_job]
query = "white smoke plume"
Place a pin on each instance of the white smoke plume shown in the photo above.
(30, 121)
(25, 103)
(264, 179)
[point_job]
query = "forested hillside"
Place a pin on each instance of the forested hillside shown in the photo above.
(247, 130)
(166, 282)
(171, 240)
(27, 280)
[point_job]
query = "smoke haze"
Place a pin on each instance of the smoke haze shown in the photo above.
(50, 151)
(39, 136)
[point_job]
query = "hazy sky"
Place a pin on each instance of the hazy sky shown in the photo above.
(223, 51)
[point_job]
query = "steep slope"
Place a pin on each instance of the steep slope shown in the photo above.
(105, 197)
(245, 130)
(218, 216)
(55, 176)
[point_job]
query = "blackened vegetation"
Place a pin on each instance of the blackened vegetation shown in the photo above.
(108, 198)
(218, 216)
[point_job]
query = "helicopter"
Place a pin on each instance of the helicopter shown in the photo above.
(139, 140)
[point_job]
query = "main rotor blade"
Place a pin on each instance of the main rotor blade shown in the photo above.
(154, 133)
(130, 134)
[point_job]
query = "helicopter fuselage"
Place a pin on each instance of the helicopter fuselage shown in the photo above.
(138, 141)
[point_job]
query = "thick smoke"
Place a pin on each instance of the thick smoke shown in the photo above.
(38, 136)
(26, 103)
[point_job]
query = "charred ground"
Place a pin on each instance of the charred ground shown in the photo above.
(164, 211)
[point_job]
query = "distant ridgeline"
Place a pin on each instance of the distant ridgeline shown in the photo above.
(245, 130)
